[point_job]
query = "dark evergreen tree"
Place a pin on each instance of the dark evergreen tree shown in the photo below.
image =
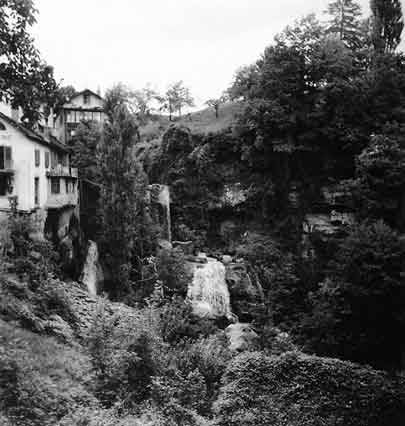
(388, 24)
(122, 205)
(345, 21)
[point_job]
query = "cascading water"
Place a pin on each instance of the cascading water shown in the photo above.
(92, 273)
(164, 201)
(160, 203)
(208, 292)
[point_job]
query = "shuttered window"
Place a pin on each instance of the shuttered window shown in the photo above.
(5, 157)
(37, 158)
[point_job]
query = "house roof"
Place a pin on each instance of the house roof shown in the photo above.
(52, 142)
(86, 92)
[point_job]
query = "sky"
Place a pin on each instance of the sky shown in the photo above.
(97, 43)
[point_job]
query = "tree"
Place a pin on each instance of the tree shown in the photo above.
(176, 97)
(84, 148)
(142, 100)
(345, 21)
(62, 95)
(216, 103)
(381, 181)
(25, 80)
(358, 309)
(122, 206)
(388, 23)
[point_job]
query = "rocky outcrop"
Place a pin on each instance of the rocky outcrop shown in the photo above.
(245, 290)
(242, 337)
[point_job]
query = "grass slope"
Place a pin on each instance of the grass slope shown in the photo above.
(202, 122)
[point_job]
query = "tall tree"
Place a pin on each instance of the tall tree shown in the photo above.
(216, 103)
(388, 23)
(176, 98)
(25, 80)
(345, 21)
(143, 100)
(122, 199)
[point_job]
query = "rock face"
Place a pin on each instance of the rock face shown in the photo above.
(208, 292)
(245, 290)
(242, 337)
(92, 275)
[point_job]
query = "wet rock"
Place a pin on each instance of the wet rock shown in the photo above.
(245, 289)
(242, 337)
(226, 259)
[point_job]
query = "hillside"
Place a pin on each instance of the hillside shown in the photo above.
(200, 122)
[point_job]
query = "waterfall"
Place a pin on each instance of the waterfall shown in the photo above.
(92, 273)
(159, 196)
(208, 291)
(164, 201)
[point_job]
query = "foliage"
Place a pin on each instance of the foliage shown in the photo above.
(84, 148)
(122, 363)
(216, 103)
(40, 380)
(31, 258)
(357, 310)
(176, 98)
(25, 80)
(126, 227)
(388, 23)
(380, 179)
(296, 389)
(345, 21)
(143, 99)
(173, 272)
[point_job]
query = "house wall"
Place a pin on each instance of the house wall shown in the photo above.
(78, 102)
(23, 156)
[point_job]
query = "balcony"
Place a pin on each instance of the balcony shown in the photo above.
(7, 168)
(59, 201)
(63, 171)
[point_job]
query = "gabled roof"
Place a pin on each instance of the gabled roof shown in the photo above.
(86, 92)
(34, 136)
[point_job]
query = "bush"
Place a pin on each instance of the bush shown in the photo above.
(300, 390)
(173, 272)
(41, 380)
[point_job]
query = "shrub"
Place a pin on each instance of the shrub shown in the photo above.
(300, 390)
(173, 272)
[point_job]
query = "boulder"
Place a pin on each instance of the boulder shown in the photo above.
(242, 337)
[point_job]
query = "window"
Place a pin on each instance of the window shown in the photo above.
(67, 186)
(46, 159)
(86, 99)
(2, 127)
(5, 157)
(37, 158)
(54, 159)
(3, 185)
(55, 186)
(36, 185)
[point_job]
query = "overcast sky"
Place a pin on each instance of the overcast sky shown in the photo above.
(96, 43)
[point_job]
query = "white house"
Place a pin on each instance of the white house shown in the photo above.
(83, 106)
(34, 171)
